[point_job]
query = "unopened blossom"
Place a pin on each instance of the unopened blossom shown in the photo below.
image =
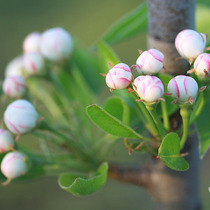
(56, 44)
(190, 44)
(32, 42)
(183, 89)
(20, 117)
(7, 141)
(150, 62)
(202, 65)
(33, 63)
(149, 88)
(14, 86)
(15, 67)
(119, 77)
(14, 164)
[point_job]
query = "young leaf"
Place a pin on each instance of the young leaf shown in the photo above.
(81, 185)
(169, 153)
(110, 124)
(129, 26)
(107, 55)
(118, 108)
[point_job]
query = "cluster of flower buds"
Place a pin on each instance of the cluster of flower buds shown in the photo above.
(191, 46)
(20, 117)
(54, 44)
(149, 88)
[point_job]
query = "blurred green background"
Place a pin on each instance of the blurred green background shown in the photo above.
(86, 20)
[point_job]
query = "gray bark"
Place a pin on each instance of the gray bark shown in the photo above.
(173, 190)
(166, 19)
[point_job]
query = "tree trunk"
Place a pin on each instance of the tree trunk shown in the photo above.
(173, 190)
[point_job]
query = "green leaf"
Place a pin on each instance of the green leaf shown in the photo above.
(110, 124)
(202, 123)
(169, 153)
(81, 185)
(89, 67)
(129, 26)
(107, 55)
(117, 108)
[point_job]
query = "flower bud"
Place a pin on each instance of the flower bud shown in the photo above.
(119, 77)
(20, 117)
(56, 44)
(33, 63)
(14, 86)
(150, 62)
(184, 89)
(6, 141)
(149, 88)
(14, 164)
(190, 43)
(202, 65)
(15, 67)
(32, 42)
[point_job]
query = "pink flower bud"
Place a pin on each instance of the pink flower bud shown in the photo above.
(190, 44)
(14, 164)
(14, 86)
(184, 89)
(33, 63)
(15, 67)
(20, 117)
(119, 77)
(150, 62)
(6, 141)
(202, 65)
(56, 44)
(32, 42)
(149, 88)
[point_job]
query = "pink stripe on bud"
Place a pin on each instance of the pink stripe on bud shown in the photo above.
(190, 43)
(202, 65)
(20, 117)
(150, 62)
(14, 86)
(183, 88)
(149, 88)
(119, 77)
(14, 164)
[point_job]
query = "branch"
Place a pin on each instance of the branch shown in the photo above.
(133, 175)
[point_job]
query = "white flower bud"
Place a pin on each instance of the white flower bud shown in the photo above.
(184, 89)
(14, 86)
(150, 62)
(20, 117)
(149, 88)
(32, 42)
(15, 67)
(7, 141)
(190, 43)
(202, 65)
(56, 44)
(119, 77)
(33, 63)
(14, 164)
